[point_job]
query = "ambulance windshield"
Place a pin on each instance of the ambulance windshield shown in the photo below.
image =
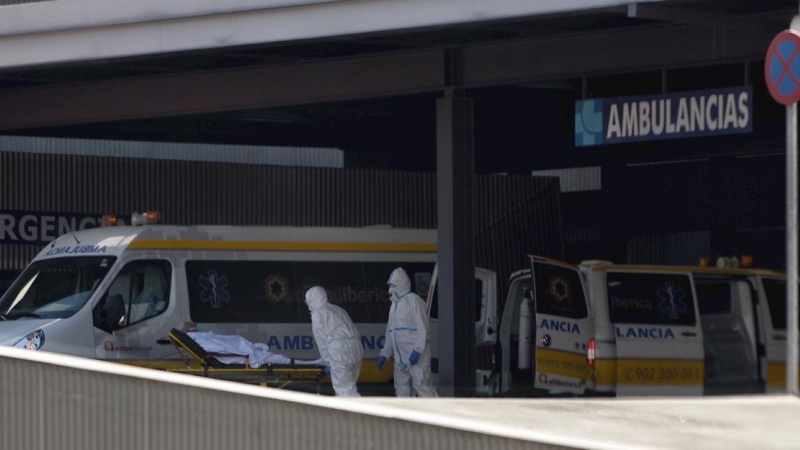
(54, 288)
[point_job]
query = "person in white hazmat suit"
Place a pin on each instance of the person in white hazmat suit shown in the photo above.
(257, 354)
(338, 341)
(407, 339)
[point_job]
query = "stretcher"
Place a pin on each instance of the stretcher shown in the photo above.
(202, 363)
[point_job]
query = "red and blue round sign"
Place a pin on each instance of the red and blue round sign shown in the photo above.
(782, 67)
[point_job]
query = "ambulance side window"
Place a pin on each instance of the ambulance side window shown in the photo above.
(776, 300)
(713, 298)
(650, 298)
(232, 291)
(140, 291)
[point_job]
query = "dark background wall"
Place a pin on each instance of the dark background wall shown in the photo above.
(720, 195)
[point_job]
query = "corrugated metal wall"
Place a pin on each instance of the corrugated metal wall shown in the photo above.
(675, 249)
(513, 214)
(516, 216)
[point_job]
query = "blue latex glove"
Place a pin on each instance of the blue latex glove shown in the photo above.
(327, 370)
(381, 362)
(414, 358)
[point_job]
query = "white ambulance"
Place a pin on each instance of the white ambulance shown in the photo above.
(743, 313)
(485, 314)
(113, 293)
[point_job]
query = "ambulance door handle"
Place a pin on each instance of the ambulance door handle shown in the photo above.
(779, 337)
(689, 333)
(163, 341)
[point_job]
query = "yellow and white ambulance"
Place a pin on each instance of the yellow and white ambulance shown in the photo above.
(113, 293)
(602, 329)
(626, 330)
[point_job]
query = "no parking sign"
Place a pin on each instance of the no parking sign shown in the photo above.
(782, 67)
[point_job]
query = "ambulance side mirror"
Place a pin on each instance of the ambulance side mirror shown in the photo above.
(115, 310)
(109, 314)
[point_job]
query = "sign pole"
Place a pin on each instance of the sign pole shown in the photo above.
(791, 249)
(791, 243)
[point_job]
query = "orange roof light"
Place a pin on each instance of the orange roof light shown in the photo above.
(109, 220)
(705, 262)
(152, 217)
(747, 261)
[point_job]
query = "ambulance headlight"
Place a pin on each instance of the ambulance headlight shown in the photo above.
(33, 341)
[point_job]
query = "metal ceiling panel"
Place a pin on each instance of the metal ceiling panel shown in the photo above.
(222, 91)
(84, 30)
(379, 76)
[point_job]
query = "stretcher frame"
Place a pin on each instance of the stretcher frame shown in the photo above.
(271, 375)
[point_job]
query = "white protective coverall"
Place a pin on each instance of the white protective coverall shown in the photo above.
(406, 332)
(258, 353)
(338, 340)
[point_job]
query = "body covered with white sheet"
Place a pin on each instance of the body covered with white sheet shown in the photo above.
(238, 347)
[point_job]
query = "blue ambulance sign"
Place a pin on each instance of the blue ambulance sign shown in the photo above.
(666, 116)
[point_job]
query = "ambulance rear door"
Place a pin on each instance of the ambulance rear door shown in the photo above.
(485, 305)
(485, 313)
(563, 328)
(659, 339)
(730, 334)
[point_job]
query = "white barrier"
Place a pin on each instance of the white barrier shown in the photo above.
(50, 401)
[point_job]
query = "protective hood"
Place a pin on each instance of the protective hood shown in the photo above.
(399, 283)
(316, 297)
